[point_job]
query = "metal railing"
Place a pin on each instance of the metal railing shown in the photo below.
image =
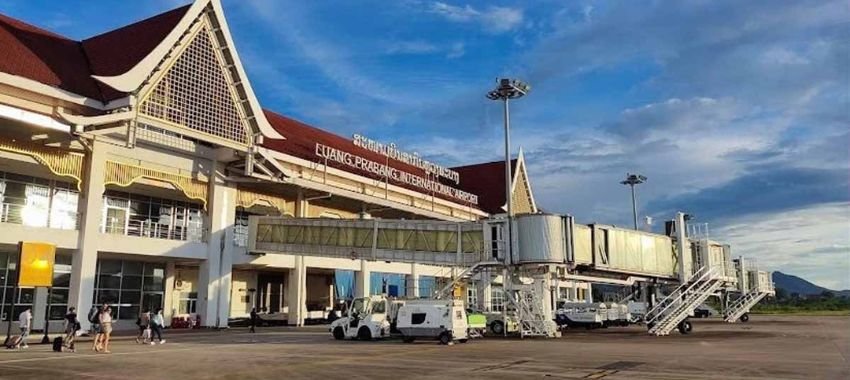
(35, 216)
(149, 229)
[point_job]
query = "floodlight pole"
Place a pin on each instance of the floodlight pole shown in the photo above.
(508, 180)
(632, 180)
(634, 205)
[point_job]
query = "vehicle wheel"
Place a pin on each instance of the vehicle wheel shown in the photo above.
(445, 338)
(339, 334)
(497, 327)
(364, 333)
(685, 327)
(408, 339)
(463, 340)
(745, 317)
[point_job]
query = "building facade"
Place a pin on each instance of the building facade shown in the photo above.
(141, 153)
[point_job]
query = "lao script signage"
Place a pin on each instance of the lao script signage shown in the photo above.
(391, 151)
(383, 170)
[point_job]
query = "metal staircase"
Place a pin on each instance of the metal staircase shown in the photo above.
(465, 276)
(530, 313)
(743, 305)
(665, 316)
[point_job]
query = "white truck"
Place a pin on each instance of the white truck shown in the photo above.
(581, 314)
(433, 319)
(366, 318)
(618, 314)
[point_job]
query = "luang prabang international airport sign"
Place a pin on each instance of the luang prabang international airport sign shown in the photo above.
(383, 170)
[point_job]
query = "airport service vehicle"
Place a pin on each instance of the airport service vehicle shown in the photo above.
(366, 318)
(636, 310)
(586, 314)
(433, 319)
(617, 314)
(702, 313)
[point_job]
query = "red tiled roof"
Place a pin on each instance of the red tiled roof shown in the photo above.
(45, 57)
(55, 60)
(117, 51)
(486, 180)
(301, 142)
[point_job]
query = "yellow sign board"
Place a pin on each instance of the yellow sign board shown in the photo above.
(37, 261)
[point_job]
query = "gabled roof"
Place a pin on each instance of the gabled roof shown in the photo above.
(117, 51)
(45, 57)
(486, 180)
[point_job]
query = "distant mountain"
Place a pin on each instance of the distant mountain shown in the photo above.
(793, 284)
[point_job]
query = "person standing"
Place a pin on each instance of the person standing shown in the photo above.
(25, 323)
(94, 319)
(255, 318)
(144, 323)
(157, 323)
(72, 325)
(106, 328)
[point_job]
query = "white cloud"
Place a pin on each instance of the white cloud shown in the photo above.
(457, 50)
(411, 47)
(492, 19)
(813, 242)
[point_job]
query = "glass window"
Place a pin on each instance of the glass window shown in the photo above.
(109, 281)
(131, 283)
(141, 286)
(108, 296)
(110, 267)
(58, 296)
(497, 299)
(133, 268)
(131, 296)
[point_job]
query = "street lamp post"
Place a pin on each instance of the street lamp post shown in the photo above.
(632, 180)
(506, 90)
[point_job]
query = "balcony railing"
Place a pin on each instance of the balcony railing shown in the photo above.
(38, 216)
(149, 229)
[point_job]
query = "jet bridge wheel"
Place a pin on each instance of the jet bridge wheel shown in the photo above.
(744, 318)
(339, 334)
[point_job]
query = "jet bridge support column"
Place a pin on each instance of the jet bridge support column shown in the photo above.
(361, 280)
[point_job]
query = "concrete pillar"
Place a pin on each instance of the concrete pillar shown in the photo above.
(412, 282)
(39, 306)
(296, 292)
(483, 289)
(589, 292)
(168, 299)
(301, 205)
(214, 275)
(90, 207)
(361, 280)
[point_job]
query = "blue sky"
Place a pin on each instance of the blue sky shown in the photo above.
(737, 112)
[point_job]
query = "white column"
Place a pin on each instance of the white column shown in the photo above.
(483, 291)
(412, 281)
(90, 207)
(168, 299)
(215, 272)
(361, 279)
(296, 292)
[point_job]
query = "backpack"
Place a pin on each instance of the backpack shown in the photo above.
(93, 316)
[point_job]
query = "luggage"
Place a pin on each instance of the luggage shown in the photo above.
(14, 342)
(57, 344)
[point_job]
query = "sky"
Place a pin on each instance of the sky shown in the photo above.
(737, 112)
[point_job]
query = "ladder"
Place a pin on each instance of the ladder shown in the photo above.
(465, 276)
(743, 304)
(530, 313)
(665, 316)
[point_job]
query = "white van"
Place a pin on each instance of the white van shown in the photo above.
(433, 319)
(586, 314)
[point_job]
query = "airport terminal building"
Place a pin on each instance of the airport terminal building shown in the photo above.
(141, 152)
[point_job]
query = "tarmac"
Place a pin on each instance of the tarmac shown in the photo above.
(767, 347)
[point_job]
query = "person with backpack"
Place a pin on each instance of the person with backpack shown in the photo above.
(72, 325)
(94, 319)
(157, 323)
(144, 323)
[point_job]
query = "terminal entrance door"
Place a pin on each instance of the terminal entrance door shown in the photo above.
(270, 292)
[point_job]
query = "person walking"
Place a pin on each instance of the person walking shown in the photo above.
(25, 323)
(157, 324)
(94, 319)
(106, 328)
(255, 319)
(72, 325)
(144, 323)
